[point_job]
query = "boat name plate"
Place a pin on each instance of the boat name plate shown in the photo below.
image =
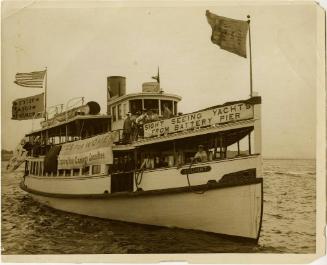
(194, 170)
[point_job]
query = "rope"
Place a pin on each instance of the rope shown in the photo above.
(189, 183)
(136, 177)
(82, 127)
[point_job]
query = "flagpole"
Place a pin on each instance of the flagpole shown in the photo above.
(45, 92)
(251, 82)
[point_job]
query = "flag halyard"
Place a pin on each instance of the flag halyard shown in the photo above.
(229, 34)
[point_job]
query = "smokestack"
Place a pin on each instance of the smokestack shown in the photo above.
(116, 86)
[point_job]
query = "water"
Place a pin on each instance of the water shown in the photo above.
(288, 222)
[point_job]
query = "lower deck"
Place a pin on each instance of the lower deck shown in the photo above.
(148, 179)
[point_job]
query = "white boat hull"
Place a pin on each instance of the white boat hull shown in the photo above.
(235, 210)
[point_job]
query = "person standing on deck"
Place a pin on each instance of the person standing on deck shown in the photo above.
(127, 129)
(140, 121)
(134, 128)
(167, 112)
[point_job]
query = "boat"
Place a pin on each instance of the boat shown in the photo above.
(87, 163)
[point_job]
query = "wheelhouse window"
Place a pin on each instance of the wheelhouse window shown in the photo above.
(96, 169)
(168, 104)
(152, 104)
(135, 106)
(124, 110)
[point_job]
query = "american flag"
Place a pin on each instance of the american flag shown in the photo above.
(33, 79)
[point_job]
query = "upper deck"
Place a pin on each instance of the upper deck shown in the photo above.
(84, 121)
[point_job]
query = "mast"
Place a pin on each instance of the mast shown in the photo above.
(45, 93)
(251, 81)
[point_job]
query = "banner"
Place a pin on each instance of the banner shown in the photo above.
(27, 108)
(229, 34)
(205, 118)
(96, 150)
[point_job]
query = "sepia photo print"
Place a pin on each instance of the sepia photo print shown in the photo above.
(163, 127)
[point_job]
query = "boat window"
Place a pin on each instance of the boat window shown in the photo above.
(119, 112)
(124, 109)
(86, 170)
(169, 105)
(75, 171)
(155, 159)
(152, 104)
(123, 162)
(240, 148)
(96, 169)
(61, 172)
(114, 113)
(67, 172)
(135, 106)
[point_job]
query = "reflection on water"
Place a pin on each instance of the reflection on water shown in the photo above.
(288, 222)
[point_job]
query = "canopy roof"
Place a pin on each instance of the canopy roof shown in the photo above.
(74, 125)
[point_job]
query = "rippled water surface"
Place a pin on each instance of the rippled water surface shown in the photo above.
(288, 222)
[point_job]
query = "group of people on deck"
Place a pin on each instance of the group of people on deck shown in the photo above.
(133, 124)
(158, 160)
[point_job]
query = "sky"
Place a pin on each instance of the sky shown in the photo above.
(83, 44)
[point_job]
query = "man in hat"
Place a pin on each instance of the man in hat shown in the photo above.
(134, 130)
(127, 128)
(201, 155)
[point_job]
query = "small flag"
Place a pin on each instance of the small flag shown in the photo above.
(229, 34)
(28, 108)
(157, 77)
(33, 79)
